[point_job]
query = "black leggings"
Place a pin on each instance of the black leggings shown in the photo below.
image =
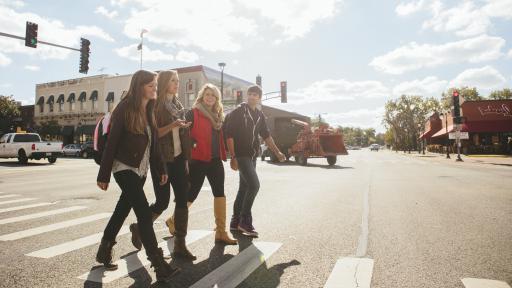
(178, 179)
(132, 196)
(213, 170)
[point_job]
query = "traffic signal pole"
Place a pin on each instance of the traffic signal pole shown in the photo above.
(39, 42)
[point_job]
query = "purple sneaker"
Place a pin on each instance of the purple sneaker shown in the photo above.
(233, 226)
(245, 226)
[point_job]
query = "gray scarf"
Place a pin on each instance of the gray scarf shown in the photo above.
(175, 108)
(215, 119)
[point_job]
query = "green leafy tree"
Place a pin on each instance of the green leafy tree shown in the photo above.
(469, 94)
(9, 111)
(501, 94)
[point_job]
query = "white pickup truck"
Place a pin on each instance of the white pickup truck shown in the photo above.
(26, 146)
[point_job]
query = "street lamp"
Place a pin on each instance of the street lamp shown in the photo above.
(447, 136)
(221, 66)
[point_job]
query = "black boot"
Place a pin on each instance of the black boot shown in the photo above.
(134, 228)
(163, 270)
(104, 255)
(181, 223)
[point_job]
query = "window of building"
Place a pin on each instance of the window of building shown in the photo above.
(50, 102)
(40, 103)
(94, 99)
(82, 98)
(110, 101)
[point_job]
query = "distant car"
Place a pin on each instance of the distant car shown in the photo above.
(87, 150)
(356, 148)
(71, 150)
(374, 147)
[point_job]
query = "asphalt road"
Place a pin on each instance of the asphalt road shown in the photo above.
(388, 218)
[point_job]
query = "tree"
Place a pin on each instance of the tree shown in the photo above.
(501, 94)
(49, 129)
(469, 94)
(9, 111)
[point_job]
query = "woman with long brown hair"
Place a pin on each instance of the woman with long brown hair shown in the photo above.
(207, 155)
(132, 147)
(175, 148)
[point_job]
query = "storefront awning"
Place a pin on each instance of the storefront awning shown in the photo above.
(85, 130)
(94, 96)
(60, 99)
(110, 97)
(50, 100)
(426, 135)
(40, 101)
(71, 97)
(443, 131)
(489, 126)
(82, 97)
(67, 130)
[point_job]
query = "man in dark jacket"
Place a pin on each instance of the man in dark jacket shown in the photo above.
(243, 126)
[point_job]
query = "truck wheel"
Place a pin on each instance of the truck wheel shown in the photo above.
(331, 160)
(262, 157)
(273, 158)
(22, 157)
(303, 161)
(52, 159)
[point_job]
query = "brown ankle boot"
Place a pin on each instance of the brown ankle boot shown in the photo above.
(170, 222)
(134, 228)
(180, 247)
(219, 210)
(104, 254)
(163, 270)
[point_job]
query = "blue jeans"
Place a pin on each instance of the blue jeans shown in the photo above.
(249, 186)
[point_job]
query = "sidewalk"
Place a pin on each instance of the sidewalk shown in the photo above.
(495, 160)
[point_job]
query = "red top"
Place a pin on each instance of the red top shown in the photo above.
(201, 133)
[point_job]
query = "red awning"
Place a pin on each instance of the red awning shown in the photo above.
(443, 131)
(489, 126)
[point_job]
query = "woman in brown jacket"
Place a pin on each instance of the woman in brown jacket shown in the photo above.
(174, 144)
(132, 146)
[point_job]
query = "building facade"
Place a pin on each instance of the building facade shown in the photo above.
(75, 105)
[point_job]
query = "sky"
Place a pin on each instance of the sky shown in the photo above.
(342, 59)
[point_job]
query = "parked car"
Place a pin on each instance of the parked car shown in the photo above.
(71, 150)
(374, 147)
(87, 150)
(25, 146)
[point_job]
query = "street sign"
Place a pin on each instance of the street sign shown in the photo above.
(463, 135)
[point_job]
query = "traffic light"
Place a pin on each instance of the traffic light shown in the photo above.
(31, 35)
(456, 107)
(84, 55)
(284, 95)
(239, 98)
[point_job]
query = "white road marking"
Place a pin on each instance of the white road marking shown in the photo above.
(8, 196)
(75, 244)
(26, 207)
(40, 214)
(234, 271)
(135, 261)
(52, 227)
(483, 283)
(363, 237)
(17, 201)
(351, 273)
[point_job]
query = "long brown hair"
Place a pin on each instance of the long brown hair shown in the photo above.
(135, 119)
(164, 78)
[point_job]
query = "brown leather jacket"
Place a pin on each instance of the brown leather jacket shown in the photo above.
(164, 118)
(128, 147)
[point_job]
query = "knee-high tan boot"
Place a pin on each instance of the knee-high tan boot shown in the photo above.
(219, 210)
(170, 222)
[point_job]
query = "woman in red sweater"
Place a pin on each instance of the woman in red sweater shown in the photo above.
(208, 152)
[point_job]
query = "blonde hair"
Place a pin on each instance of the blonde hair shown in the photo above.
(135, 119)
(217, 108)
(164, 78)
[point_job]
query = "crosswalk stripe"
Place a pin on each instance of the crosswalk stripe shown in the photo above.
(234, 271)
(76, 244)
(483, 283)
(8, 196)
(52, 227)
(40, 214)
(72, 245)
(135, 261)
(17, 201)
(26, 207)
(351, 273)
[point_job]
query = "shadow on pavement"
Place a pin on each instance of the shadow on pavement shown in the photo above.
(92, 284)
(17, 164)
(291, 163)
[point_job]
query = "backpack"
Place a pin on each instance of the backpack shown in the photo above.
(100, 137)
